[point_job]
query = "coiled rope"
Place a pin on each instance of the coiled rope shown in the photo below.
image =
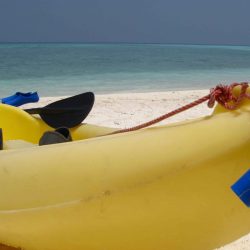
(223, 94)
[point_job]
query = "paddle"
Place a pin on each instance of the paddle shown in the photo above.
(68, 112)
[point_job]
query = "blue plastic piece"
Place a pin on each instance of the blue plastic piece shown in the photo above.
(20, 98)
(8, 98)
(242, 188)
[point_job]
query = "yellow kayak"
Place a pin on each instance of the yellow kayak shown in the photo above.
(165, 187)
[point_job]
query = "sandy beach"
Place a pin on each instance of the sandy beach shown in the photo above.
(127, 110)
(130, 109)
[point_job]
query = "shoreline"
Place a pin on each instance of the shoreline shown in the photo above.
(62, 94)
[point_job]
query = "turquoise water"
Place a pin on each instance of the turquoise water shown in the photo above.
(65, 69)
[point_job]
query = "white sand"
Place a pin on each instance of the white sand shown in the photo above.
(126, 110)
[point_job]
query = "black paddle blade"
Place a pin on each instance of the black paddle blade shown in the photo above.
(68, 112)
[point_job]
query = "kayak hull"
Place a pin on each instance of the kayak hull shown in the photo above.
(165, 187)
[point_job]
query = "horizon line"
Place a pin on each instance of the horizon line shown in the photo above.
(146, 43)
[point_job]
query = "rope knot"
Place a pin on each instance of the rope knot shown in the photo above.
(224, 95)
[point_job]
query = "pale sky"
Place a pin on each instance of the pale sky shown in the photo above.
(135, 21)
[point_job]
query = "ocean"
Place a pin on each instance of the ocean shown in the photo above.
(55, 69)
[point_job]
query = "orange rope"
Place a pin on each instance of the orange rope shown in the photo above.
(223, 94)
